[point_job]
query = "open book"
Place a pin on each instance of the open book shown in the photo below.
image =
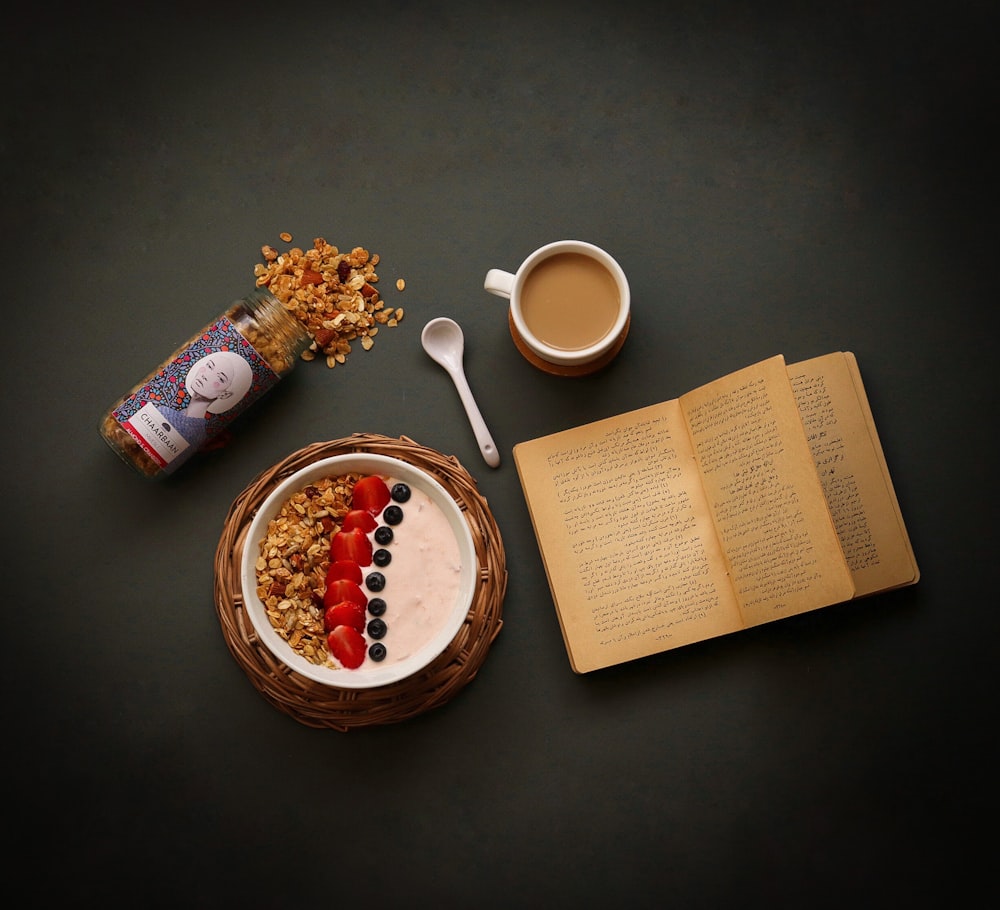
(758, 496)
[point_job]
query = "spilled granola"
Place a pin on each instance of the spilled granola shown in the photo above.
(333, 294)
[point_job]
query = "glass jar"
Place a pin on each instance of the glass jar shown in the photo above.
(187, 401)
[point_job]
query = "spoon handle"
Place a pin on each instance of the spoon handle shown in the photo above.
(486, 445)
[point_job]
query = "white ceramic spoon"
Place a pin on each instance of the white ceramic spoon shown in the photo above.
(443, 340)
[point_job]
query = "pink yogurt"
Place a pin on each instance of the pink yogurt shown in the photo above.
(421, 581)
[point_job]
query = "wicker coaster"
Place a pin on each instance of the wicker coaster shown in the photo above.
(312, 703)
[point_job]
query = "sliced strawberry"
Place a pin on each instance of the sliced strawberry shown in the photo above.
(371, 494)
(351, 546)
(345, 613)
(347, 645)
(359, 518)
(344, 568)
(344, 589)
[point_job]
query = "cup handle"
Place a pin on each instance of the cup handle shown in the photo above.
(499, 282)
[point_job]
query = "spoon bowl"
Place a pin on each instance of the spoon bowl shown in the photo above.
(444, 342)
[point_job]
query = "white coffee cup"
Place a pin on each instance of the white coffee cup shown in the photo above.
(569, 306)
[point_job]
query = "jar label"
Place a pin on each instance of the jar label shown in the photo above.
(196, 395)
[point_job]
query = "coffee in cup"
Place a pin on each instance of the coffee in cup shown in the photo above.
(569, 306)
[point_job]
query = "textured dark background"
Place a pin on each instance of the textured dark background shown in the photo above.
(796, 179)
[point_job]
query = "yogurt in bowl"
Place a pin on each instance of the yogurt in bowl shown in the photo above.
(419, 589)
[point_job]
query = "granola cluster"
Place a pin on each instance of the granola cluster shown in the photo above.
(293, 561)
(333, 294)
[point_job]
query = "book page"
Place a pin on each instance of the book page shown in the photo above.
(626, 537)
(853, 472)
(765, 496)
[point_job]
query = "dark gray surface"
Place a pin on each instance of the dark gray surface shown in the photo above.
(795, 181)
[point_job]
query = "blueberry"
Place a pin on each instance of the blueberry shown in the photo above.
(400, 492)
(381, 558)
(377, 628)
(376, 606)
(375, 581)
(383, 535)
(393, 515)
(377, 651)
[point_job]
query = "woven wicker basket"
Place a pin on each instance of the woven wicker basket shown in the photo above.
(313, 704)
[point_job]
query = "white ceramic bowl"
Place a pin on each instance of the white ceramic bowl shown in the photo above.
(370, 674)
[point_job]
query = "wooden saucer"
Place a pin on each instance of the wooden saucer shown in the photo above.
(560, 369)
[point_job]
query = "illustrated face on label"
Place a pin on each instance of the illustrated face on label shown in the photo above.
(222, 378)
